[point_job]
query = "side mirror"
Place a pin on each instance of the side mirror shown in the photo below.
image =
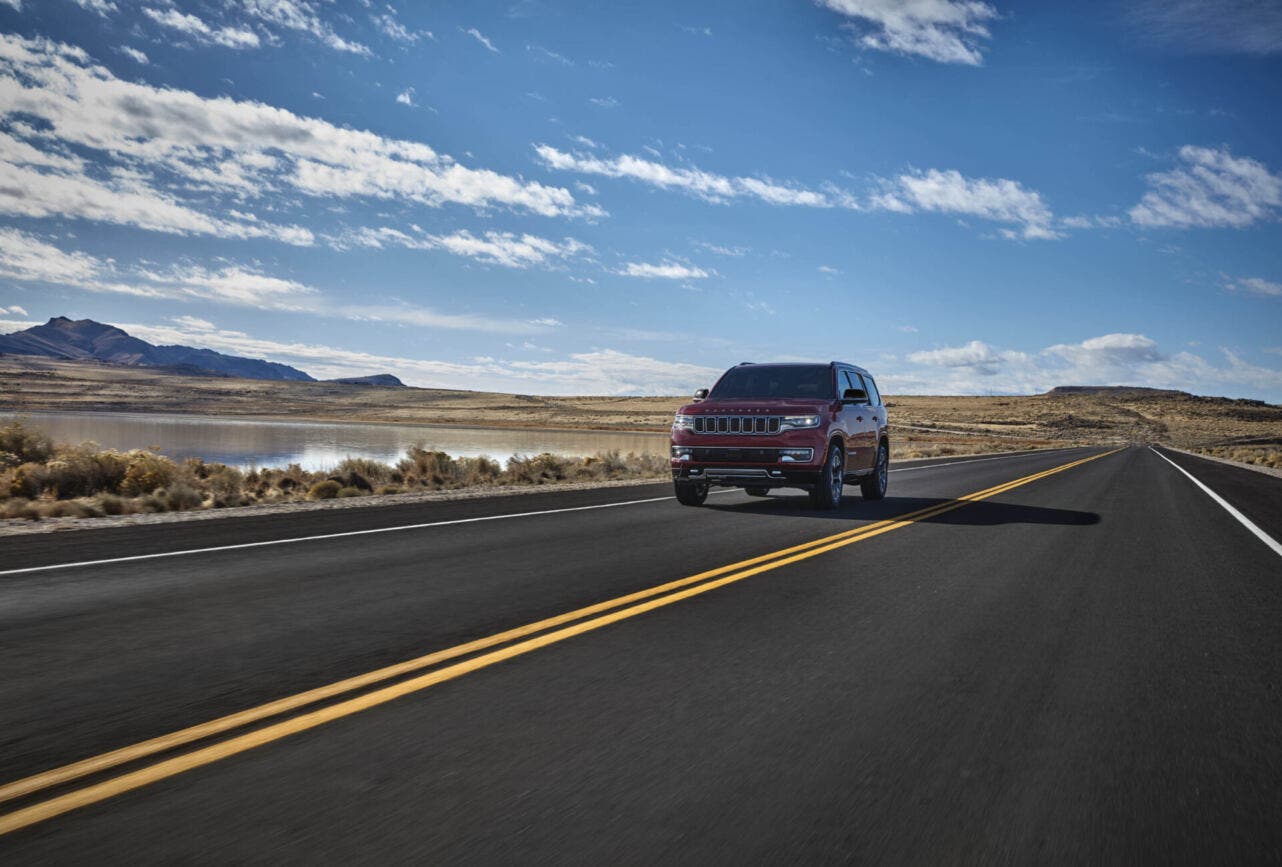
(854, 395)
(700, 394)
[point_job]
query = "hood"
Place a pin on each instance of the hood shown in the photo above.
(774, 406)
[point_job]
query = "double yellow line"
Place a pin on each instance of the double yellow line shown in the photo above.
(510, 644)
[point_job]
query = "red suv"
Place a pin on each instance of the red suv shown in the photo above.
(763, 426)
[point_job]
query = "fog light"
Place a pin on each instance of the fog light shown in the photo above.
(682, 453)
(793, 456)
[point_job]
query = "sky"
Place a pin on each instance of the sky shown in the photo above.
(964, 197)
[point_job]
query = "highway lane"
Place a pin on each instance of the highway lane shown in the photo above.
(1082, 667)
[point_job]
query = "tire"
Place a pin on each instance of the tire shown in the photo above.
(874, 486)
(690, 493)
(827, 492)
(757, 492)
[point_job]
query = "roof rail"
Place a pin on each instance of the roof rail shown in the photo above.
(742, 363)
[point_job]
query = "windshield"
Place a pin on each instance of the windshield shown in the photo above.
(808, 381)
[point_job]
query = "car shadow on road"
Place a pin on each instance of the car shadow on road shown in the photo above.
(983, 513)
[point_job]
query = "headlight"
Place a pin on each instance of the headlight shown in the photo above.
(683, 422)
(799, 422)
(792, 456)
(682, 453)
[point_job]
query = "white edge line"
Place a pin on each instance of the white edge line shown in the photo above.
(1243, 519)
(346, 534)
(350, 533)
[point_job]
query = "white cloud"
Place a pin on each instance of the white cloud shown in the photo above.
(541, 53)
(14, 310)
(662, 271)
(1211, 26)
(16, 5)
(976, 355)
(195, 27)
(706, 185)
(1111, 359)
(1210, 188)
(301, 15)
(481, 38)
(947, 31)
(102, 7)
(27, 192)
(997, 199)
(144, 137)
(1256, 286)
(26, 258)
(406, 97)
(133, 54)
(828, 269)
(908, 329)
(733, 252)
(600, 371)
(604, 101)
(499, 248)
(394, 29)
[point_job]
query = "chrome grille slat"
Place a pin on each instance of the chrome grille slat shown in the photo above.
(755, 425)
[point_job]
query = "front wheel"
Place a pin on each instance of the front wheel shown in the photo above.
(690, 493)
(874, 486)
(827, 492)
(757, 492)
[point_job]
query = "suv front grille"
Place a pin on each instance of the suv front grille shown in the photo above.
(740, 424)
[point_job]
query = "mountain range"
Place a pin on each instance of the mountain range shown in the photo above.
(85, 339)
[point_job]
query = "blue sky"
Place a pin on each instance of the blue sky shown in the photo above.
(554, 197)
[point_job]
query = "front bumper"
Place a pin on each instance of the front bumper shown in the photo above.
(792, 460)
(747, 477)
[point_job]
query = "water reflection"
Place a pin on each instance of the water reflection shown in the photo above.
(318, 445)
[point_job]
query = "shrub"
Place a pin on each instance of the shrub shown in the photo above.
(110, 504)
(26, 446)
(180, 497)
(326, 490)
(82, 471)
(343, 493)
(223, 480)
(27, 481)
(370, 471)
(146, 473)
(19, 507)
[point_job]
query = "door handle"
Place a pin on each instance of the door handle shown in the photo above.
(859, 418)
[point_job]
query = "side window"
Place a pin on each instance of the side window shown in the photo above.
(874, 397)
(857, 381)
(848, 380)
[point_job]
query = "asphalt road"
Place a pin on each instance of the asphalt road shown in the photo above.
(1085, 667)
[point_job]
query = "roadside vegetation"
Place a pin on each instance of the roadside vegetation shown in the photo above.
(42, 479)
(1260, 454)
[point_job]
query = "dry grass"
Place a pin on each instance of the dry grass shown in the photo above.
(1260, 455)
(39, 479)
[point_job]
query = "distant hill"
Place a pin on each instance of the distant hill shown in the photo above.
(381, 379)
(84, 339)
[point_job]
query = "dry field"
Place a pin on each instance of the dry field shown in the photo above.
(923, 426)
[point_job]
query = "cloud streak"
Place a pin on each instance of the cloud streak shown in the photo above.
(946, 31)
(29, 259)
(164, 157)
(1001, 200)
(1209, 188)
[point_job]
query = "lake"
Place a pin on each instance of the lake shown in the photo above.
(248, 443)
